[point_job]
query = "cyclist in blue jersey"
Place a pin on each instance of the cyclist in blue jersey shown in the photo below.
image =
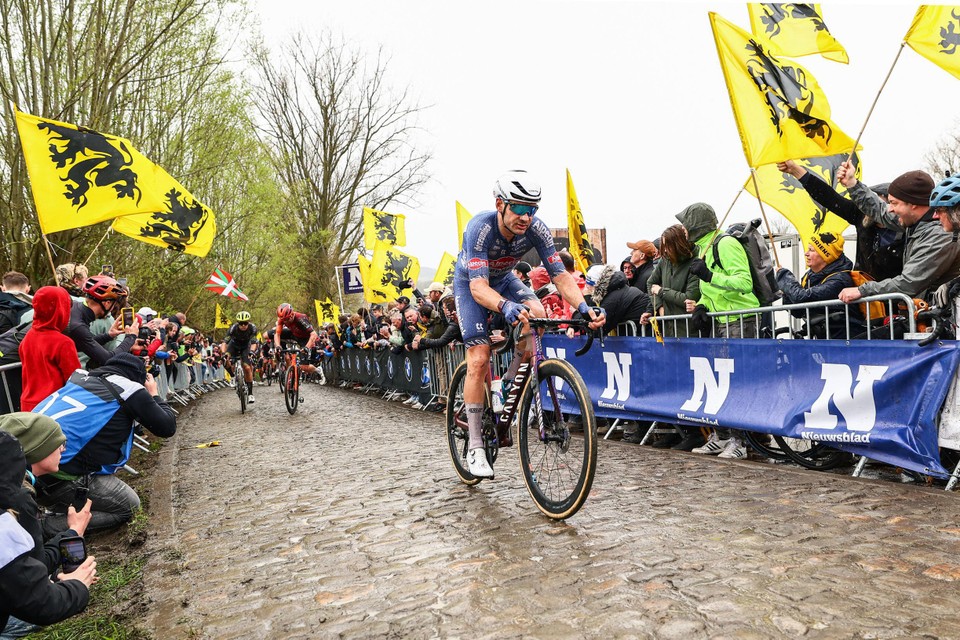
(493, 243)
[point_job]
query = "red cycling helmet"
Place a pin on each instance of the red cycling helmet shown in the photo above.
(101, 287)
(284, 311)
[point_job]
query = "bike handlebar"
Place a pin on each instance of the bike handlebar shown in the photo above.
(940, 318)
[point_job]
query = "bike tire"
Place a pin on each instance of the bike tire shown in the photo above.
(268, 377)
(291, 392)
(458, 437)
(557, 468)
(811, 454)
(241, 387)
(773, 452)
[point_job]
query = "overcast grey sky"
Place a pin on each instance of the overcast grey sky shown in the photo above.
(628, 95)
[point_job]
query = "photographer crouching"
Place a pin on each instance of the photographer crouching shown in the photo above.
(100, 438)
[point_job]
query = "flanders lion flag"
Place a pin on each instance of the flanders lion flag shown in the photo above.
(780, 110)
(795, 30)
(223, 320)
(81, 177)
(327, 312)
(935, 34)
(370, 292)
(391, 269)
(784, 193)
(444, 273)
(580, 247)
(379, 226)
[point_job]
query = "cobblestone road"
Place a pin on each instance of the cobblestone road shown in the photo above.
(346, 521)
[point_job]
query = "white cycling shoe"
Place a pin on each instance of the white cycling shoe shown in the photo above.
(477, 462)
(250, 399)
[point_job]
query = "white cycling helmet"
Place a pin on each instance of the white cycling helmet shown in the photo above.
(517, 186)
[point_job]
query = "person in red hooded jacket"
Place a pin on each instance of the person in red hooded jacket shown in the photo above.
(47, 354)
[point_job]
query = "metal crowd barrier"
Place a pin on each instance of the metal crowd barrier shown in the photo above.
(11, 393)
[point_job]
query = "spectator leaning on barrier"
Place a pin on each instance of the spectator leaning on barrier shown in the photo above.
(553, 303)
(49, 357)
(100, 437)
(727, 286)
(16, 304)
(672, 287)
(26, 590)
(619, 300)
(828, 275)
(931, 256)
(451, 333)
(434, 293)
(945, 200)
(102, 296)
(879, 248)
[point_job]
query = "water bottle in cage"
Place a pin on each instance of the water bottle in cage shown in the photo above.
(496, 391)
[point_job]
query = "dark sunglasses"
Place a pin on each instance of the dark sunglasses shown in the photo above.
(523, 209)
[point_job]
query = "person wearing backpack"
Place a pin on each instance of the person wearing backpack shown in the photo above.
(828, 274)
(100, 438)
(726, 285)
(16, 304)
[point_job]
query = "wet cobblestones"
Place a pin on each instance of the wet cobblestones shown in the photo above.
(346, 521)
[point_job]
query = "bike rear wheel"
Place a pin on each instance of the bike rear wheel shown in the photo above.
(458, 435)
(291, 389)
(811, 454)
(557, 467)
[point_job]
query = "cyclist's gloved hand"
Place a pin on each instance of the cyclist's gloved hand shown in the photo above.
(699, 268)
(511, 311)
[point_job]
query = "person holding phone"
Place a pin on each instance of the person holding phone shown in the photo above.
(103, 296)
(27, 595)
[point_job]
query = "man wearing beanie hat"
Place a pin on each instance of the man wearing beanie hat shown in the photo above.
(931, 255)
(100, 437)
(828, 275)
(879, 249)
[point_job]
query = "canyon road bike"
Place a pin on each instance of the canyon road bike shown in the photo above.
(556, 426)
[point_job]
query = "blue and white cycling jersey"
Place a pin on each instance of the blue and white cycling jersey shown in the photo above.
(487, 254)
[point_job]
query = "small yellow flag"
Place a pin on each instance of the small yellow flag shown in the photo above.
(580, 248)
(80, 177)
(379, 226)
(463, 217)
(784, 193)
(795, 30)
(935, 34)
(445, 271)
(780, 110)
(223, 320)
(390, 270)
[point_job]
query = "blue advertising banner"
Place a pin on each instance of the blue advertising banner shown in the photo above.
(408, 371)
(352, 282)
(879, 399)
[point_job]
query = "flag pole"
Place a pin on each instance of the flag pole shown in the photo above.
(337, 274)
(194, 299)
(875, 100)
(46, 244)
(756, 187)
(98, 245)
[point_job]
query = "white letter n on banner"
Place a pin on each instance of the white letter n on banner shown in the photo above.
(716, 389)
(858, 408)
(618, 375)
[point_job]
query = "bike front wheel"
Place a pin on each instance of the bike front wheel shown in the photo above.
(811, 454)
(557, 440)
(291, 389)
(241, 387)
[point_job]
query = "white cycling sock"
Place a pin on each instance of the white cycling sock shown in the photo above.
(475, 424)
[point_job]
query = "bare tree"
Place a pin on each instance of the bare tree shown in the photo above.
(341, 140)
(945, 158)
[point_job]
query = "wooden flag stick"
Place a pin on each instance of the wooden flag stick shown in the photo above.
(90, 257)
(46, 244)
(729, 209)
(756, 187)
(875, 100)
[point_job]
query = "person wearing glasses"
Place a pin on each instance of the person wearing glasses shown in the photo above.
(483, 281)
(237, 344)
